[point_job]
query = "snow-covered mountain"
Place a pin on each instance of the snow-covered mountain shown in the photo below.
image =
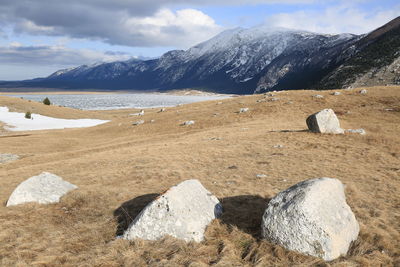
(239, 61)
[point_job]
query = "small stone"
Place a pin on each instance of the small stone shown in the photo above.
(243, 110)
(363, 91)
(336, 93)
(162, 110)
(278, 146)
(152, 121)
(138, 122)
(318, 96)
(273, 99)
(8, 158)
(356, 131)
(186, 123)
(261, 176)
(141, 113)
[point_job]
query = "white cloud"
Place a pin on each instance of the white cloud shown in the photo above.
(19, 61)
(181, 29)
(343, 18)
(136, 23)
(41, 55)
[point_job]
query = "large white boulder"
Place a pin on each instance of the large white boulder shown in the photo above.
(311, 217)
(324, 121)
(184, 212)
(44, 189)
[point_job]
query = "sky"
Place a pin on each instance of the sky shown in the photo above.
(39, 37)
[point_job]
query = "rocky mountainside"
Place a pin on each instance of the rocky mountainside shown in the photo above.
(373, 60)
(246, 61)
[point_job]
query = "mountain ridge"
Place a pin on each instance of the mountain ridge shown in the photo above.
(246, 61)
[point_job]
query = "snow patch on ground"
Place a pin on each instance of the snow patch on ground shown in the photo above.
(17, 122)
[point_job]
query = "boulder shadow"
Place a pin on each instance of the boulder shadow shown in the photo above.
(290, 131)
(245, 212)
(127, 212)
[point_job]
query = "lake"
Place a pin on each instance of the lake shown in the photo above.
(118, 101)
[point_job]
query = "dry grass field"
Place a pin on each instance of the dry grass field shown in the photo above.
(118, 164)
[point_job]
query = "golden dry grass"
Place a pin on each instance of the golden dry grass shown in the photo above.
(118, 163)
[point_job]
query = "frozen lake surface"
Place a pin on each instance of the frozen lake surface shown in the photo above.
(117, 101)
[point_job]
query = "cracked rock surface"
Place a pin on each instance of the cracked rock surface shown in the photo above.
(183, 212)
(311, 217)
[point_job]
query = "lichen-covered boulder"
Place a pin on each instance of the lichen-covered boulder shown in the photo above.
(311, 217)
(324, 121)
(184, 212)
(44, 189)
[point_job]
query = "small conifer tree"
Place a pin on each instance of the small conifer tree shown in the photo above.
(46, 101)
(28, 115)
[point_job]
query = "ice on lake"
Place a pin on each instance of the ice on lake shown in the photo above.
(119, 101)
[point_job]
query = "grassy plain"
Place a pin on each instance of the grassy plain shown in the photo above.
(118, 163)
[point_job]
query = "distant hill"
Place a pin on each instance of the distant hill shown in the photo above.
(246, 61)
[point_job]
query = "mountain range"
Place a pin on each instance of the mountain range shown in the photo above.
(247, 61)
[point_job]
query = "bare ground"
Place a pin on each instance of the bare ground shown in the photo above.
(119, 168)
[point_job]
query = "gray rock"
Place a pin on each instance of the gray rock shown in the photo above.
(363, 92)
(243, 110)
(183, 212)
(8, 157)
(273, 99)
(138, 122)
(318, 96)
(324, 121)
(141, 113)
(356, 131)
(186, 123)
(44, 188)
(260, 176)
(311, 217)
(336, 93)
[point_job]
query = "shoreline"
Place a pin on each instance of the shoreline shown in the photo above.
(43, 91)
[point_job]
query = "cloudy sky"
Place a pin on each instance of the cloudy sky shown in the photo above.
(38, 37)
